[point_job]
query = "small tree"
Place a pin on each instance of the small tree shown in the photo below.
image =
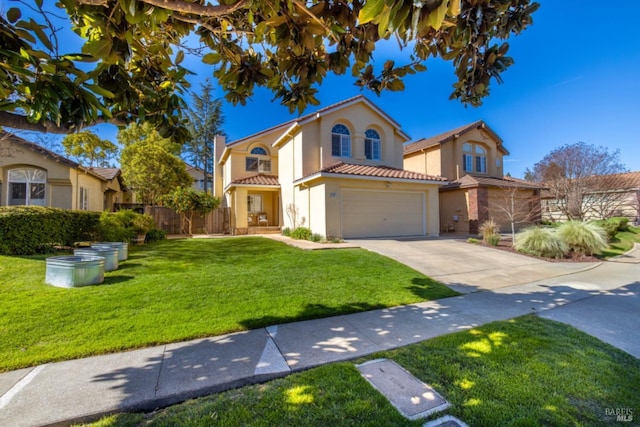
(516, 205)
(88, 149)
(188, 202)
(573, 174)
(150, 165)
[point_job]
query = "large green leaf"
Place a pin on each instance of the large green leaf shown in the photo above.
(370, 11)
(100, 48)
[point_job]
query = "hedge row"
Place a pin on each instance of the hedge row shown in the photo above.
(26, 230)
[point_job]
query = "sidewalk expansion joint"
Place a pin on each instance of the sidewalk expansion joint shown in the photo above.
(157, 387)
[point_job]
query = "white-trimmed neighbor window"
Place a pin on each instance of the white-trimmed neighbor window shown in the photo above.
(474, 158)
(371, 145)
(258, 161)
(83, 203)
(254, 203)
(27, 186)
(340, 141)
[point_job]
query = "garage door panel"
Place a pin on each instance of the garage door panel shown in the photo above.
(382, 213)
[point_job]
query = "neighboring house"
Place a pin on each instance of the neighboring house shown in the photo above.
(198, 178)
(337, 171)
(471, 158)
(33, 175)
(606, 196)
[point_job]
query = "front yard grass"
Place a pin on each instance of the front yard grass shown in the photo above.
(622, 242)
(526, 371)
(176, 290)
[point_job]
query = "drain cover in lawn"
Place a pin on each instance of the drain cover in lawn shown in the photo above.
(413, 398)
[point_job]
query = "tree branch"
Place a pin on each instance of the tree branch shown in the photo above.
(17, 121)
(182, 6)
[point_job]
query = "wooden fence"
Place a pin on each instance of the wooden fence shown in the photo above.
(215, 222)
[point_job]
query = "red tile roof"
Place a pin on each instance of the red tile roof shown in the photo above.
(259, 179)
(342, 168)
(486, 181)
(629, 181)
(423, 143)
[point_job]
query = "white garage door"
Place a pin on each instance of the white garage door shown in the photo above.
(382, 213)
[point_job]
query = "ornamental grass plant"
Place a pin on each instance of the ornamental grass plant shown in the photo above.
(583, 238)
(541, 242)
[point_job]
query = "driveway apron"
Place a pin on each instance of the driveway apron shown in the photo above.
(467, 267)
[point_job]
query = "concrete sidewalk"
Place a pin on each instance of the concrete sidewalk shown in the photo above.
(84, 389)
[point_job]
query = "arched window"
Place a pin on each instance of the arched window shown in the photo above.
(258, 161)
(471, 152)
(27, 186)
(372, 144)
(340, 141)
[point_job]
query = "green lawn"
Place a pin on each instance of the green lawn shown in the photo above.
(522, 372)
(181, 289)
(623, 242)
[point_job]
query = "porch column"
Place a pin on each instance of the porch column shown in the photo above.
(240, 209)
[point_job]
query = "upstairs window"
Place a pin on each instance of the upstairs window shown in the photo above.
(474, 158)
(372, 145)
(258, 161)
(340, 141)
(27, 186)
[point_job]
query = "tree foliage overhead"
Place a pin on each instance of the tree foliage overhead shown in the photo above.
(135, 48)
(574, 175)
(150, 164)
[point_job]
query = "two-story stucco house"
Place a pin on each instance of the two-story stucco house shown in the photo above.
(33, 175)
(471, 157)
(337, 171)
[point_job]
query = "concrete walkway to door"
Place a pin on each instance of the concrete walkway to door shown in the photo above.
(466, 267)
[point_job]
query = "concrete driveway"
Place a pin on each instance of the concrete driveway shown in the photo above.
(467, 267)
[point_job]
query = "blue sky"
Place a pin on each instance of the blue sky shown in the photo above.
(576, 78)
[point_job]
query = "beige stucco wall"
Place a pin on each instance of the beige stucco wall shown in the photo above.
(92, 184)
(63, 181)
(446, 159)
(454, 203)
(357, 118)
(427, 162)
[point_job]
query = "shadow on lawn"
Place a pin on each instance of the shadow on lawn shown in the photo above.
(310, 311)
(425, 288)
(165, 375)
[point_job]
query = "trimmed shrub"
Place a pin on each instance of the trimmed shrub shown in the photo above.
(124, 225)
(315, 237)
(301, 233)
(286, 232)
(26, 230)
(541, 242)
(111, 229)
(583, 238)
(473, 240)
(155, 235)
